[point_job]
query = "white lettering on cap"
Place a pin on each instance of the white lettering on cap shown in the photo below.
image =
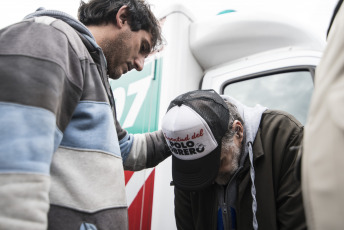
(187, 134)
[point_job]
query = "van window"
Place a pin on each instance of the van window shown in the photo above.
(288, 91)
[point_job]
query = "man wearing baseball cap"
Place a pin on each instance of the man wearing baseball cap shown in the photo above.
(232, 165)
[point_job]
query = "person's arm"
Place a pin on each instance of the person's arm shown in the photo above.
(290, 209)
(140, 151)
(35, 91)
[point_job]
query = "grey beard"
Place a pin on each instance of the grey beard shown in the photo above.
(224, 177)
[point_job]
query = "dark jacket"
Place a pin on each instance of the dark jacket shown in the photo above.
(278, 194)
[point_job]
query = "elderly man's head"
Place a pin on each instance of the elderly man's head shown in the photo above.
(205, 134)
(232, 146)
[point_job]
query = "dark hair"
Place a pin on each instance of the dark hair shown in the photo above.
(97, 12)
(233, 115)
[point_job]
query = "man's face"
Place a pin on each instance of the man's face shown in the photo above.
(126, 51)
(229, 161)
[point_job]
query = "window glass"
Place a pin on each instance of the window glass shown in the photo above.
(289, 91)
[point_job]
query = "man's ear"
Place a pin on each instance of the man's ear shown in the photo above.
(238, 128)
(122, 16)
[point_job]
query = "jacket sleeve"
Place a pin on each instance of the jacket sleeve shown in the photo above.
(140, 151)
(33, 89)
(290, 209)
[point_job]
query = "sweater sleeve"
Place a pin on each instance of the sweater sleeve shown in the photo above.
(140, 151)
(146, 150)
(37, 98)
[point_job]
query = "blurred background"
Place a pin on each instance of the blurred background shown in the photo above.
(315, 13)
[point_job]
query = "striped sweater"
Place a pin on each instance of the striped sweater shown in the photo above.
(62, 151)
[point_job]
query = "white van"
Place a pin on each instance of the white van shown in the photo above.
(254, 57)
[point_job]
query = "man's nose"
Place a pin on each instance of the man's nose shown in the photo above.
(139, 63)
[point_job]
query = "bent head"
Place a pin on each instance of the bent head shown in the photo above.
(205, 135)
(232, 146)
(194, 126)
(126, 30)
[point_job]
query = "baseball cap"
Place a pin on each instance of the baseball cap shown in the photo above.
(193, 127)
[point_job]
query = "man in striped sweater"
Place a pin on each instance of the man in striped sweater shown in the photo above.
(62, 150)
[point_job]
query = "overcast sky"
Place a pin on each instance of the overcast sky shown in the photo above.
(315, 13)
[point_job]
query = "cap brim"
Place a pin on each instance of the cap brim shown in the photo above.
(193, 175)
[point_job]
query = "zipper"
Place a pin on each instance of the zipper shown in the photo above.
(224, 208)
